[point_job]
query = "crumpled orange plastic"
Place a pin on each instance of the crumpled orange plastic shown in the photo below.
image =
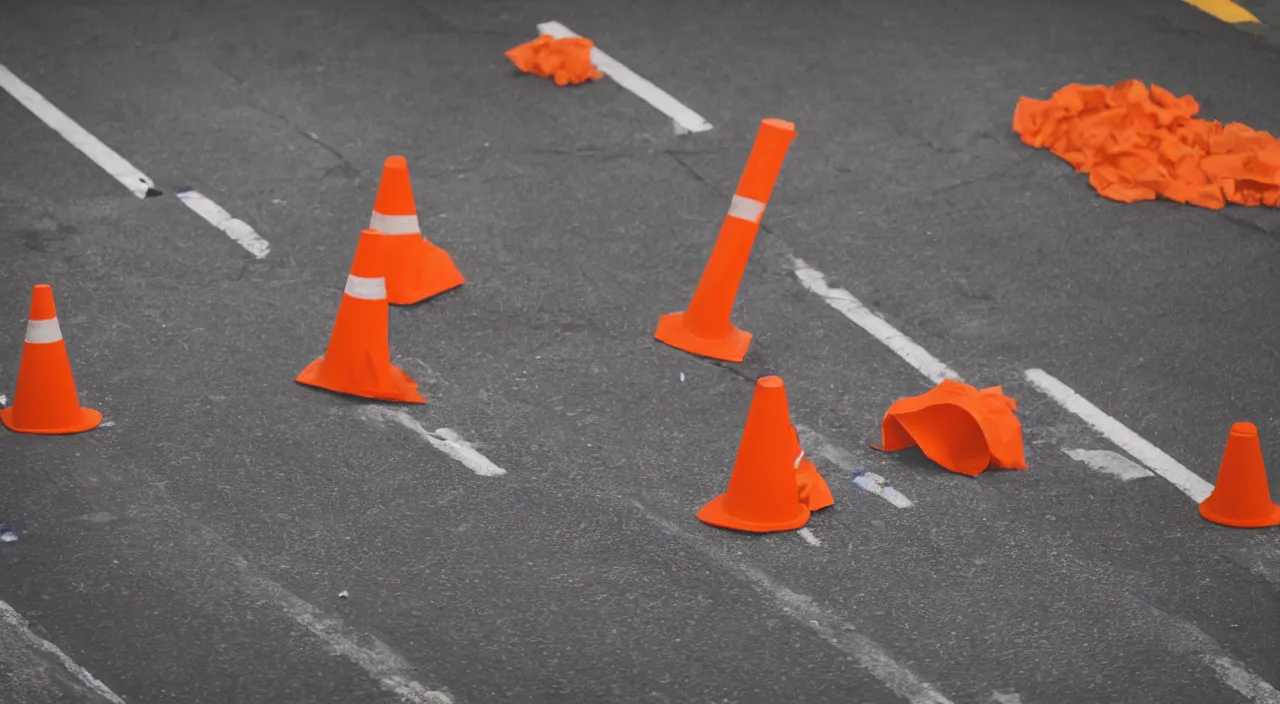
(959, 427)
(1139, 144)
(566, 60)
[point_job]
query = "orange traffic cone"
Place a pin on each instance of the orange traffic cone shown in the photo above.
(704, 328)
(1242, 498)
(763, 494)
(45, 401)
(358, 358)
(416, 269)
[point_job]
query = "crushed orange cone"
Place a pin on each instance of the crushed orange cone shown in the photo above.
(1242, 498)
(358, 358)
(959, 427)
(813, 489)
(416, 269)
(705, 328)
(764, 489)
(1139, 143)
(45, 401)
(567, 60)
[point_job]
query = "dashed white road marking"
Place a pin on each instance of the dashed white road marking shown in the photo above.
(127, 174)
(827, 625)
(1153, 457)
(809, 537)
(1262, 561)
(1108, 462)
(443, 439)
(1005, 698)
(236, 229)
(878, 327)
(4, 400)
(373, 656)
(869, 482)
(21, 629)
(1235, 676)
(683, 117)
(873, 483)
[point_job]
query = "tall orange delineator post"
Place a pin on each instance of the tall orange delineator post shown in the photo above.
(705, 328)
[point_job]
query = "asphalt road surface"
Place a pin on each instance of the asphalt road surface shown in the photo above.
(194, 548)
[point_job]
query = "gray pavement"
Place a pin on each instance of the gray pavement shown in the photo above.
(194, 550)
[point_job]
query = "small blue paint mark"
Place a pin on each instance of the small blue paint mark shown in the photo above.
(8, 534)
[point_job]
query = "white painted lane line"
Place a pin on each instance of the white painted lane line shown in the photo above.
(684, 118)
(22, 630)
(878, 327)
(877, 485)
(1262, 561)
(127, 174)
(238, 230)
(869, 482)
(998, 697)
(804, 610)
(1108, 462)
(1153, 457)
(377, 659)
(373, 656)
(809, 537)
(443, 439)
(1234, 675)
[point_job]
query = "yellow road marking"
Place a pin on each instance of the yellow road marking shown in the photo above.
(1225, 10)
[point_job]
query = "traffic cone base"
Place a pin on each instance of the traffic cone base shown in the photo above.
(1241, 497)
(731, 347)
(395, 386)
(1265, 520)
(88, 420)
(420, 272)
(715, 513)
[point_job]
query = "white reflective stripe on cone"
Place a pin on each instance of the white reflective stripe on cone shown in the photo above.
(366, 289)
(746, 209)
(41, 331)
(395, 224)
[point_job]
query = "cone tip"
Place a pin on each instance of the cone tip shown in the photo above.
(42, 307)
(1244, 430)
(367, 262)
(396, 162)
(769, 382)
(780, 124)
